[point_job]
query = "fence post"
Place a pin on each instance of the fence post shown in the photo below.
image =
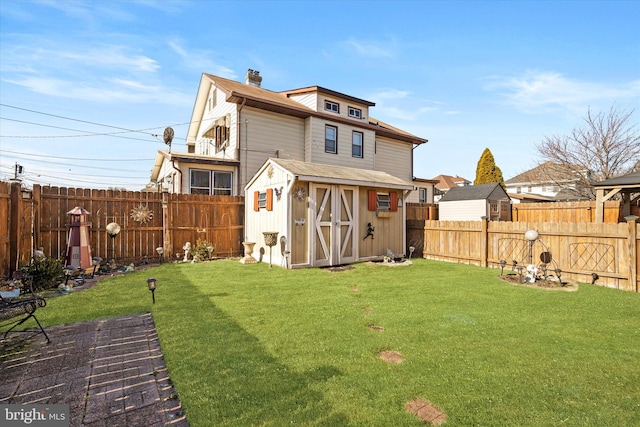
(633, 254)
(166, 227)
(14, 226)
(484, 253)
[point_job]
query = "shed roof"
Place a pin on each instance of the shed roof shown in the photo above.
(631, 179)
(475, 192)
(329, 174)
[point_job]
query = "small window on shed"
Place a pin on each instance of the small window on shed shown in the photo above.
(384, 202)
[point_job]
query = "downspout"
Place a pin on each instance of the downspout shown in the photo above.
(238, 124)
(173, 165)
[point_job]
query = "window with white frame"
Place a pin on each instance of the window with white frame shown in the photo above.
(355, 113)
(332, 106)
(200, 182)
(331, 139)
(422, 195)
(356, 144)
(262, 200)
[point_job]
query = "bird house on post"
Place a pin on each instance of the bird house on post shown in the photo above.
(78, 243)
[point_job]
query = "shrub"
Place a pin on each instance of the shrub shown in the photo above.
(45, 273)
(202, 250)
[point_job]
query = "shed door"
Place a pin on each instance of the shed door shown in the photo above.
(334, 231)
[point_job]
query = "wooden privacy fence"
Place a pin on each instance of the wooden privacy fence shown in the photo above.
(30, 219)
(584, 211)
(579, 249)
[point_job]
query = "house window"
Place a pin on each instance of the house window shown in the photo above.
(356, 144)
(518, 190)
(422, 195)
(200, 182)
(332, 106)
(355, 113)
(213, 100)
(331, 139)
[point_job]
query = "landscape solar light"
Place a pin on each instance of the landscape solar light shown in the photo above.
(520, 268)
(151, 284)
(531, 236)
(96, 261)
(411, 250)
(503, 262)
(160, 251)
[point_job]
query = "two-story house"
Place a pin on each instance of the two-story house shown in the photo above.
(312, 153)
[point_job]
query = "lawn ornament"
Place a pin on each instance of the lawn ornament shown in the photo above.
(78, 243)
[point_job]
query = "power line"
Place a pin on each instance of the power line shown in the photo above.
(63, 128)
(76, 158)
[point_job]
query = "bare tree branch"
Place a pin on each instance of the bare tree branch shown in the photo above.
(605, 146)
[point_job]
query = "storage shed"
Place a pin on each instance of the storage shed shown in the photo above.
(324, 215)
(473, 202)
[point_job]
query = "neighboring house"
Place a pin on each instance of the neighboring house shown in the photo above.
(424, 191)
(324, 215)
(312, 144)
(529, 198)
(548, 180)
(445, 182)
(474, 202)
(235, 127)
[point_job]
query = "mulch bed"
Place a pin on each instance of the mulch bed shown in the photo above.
(551, 283)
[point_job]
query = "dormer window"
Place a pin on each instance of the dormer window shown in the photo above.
(356, 113)
(332, 106)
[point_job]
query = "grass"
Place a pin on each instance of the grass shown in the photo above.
(250, 345)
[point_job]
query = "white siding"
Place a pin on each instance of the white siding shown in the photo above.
(222, 108)
(394, 157)
(462, 210)
(257, 222)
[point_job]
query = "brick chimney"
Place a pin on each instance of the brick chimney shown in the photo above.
(253, 78)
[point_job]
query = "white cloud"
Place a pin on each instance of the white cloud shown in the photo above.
(401, 104)
(200, 60)
(541, 91)
(370, 49)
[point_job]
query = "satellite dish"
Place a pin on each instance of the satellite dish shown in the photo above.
(113, 229)
(168, 136)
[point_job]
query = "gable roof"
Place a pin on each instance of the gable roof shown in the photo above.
(328, 174)
(475, 192)
(547, 172)
(279, 102)
(447, 181)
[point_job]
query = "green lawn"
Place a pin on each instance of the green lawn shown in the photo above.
(253, 345)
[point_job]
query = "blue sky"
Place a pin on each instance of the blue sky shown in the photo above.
(85, 85)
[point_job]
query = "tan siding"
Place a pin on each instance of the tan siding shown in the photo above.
(394, 157)
(343, 158)
(388, 232)
(309, 100)
(264, 133)
(344, 107)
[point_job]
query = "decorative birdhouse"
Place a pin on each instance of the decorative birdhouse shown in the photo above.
(78, 243)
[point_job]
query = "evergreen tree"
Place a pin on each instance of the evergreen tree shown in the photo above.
(487, 172)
